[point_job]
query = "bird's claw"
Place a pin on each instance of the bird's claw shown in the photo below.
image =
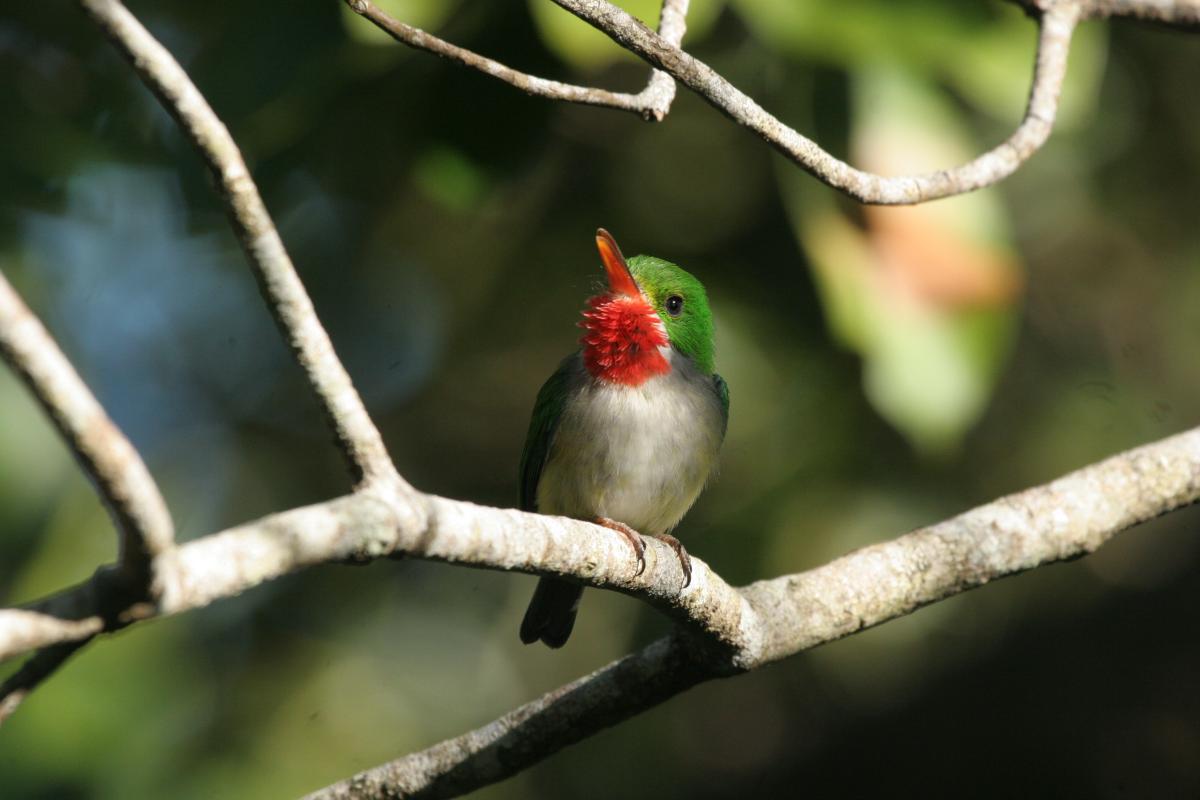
(685, 561)
(633, 537)
(639, 547)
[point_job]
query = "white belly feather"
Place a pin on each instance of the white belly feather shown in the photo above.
(639, 455)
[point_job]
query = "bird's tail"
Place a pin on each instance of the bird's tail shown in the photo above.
(551, 613)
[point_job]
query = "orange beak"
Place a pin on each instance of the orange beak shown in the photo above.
(620, 279)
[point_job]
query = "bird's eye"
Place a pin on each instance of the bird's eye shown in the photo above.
(674, 305)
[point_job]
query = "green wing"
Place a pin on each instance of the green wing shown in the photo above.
(722, 390)
(547, 411)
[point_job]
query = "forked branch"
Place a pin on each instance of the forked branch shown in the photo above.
(652, 103)
(1069, 517)
(115, 469)
(723, 630)
(105, 455)
(1056, 21)
(281, 287)
(1056, 26)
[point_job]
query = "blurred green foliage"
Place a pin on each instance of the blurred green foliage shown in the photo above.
(926, 295)
(442, 222)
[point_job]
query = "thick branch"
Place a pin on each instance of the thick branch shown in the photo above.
(726, 630)
(373, 523)
(105, 455)
(277, 278)
(652, 103)
(1064, 519)
(1070, 517)
(761, 623)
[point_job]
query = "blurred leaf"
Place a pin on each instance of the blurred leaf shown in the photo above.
(928, 373)
(76, 539)
(924, 294)
(656, 184)
(985, 52)
(449, 177)
(584, 47)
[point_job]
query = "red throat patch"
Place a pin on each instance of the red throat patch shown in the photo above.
(621, 340)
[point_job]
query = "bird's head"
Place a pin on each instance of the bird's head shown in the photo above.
(653, 312)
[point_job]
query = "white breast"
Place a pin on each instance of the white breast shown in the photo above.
(639, 455)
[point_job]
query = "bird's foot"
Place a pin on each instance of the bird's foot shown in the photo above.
(685, 561)
(633, 537)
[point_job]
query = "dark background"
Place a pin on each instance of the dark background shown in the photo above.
(887, 369)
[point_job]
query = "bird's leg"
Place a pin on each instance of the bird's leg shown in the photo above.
(685, 561)
(633, 537)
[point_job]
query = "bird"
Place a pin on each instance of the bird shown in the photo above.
(626, 432)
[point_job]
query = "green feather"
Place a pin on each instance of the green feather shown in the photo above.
(547, 411)
(691, 333)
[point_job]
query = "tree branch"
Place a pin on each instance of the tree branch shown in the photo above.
(281, 287)
(724, 631)
(1064, 519)
(652, 103)
(524, 736)
(107, 458)
(119, 476)
(1056, 22)
(1175, 13)
(1056, 26)
(369, 524)
(23, 630)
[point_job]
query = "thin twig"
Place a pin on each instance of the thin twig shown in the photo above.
(105, 602)
(652, 103)
(105, 455)
(1183, 14)
(1056, 27)
(281, 287)
(31, 674)
(660, 91)
(526, 735)
(1056, 20)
